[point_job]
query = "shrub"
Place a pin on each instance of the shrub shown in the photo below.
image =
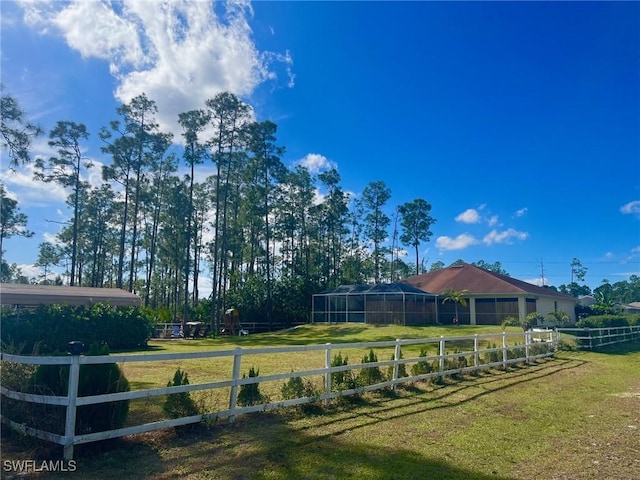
(249, 394)
(402, 368)
(603, 321)
(634, 319)
(534, 318)
(178, 405)
(539, 348)
(343, 380)
(53, 327)
(510, 322)
(296, 387)
(94, 379)
(422, 366)
(370, 375)
(493, 356)
(293, 388)
(516, 352)
(15, 376)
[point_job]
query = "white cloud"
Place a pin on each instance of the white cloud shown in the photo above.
(51, 238)
(539, 281)
(493, 221)
(178, 53)
(315, 163)
(631, 208)
(505, 236)
(95, 30)
(30, 270)
(522, 212)
(461, 242)
(470, 215)
(21, 186)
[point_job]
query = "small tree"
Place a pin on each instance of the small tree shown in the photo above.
(249, 394)
(178, 405)
(293, 388)
(422, 366)
(370, 375)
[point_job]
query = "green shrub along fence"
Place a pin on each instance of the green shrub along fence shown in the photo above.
(48, 329)
(606, 321)
(438, 358)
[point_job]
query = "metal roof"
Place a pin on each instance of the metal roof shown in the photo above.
(380, 288)
(22, 294)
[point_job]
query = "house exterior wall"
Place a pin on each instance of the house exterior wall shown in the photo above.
(543, 306)
(546, 305)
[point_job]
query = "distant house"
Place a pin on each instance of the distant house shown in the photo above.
(629, 308)
(490, 297)
(29, 295)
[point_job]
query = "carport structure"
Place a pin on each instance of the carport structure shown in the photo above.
(391, 303)
(30, 295)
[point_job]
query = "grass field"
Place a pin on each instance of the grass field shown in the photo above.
(576, 416)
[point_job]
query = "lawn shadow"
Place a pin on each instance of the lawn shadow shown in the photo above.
(271, 445)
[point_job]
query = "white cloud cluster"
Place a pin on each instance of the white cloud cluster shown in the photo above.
(470, 215)
(505, 236)
(461, 242)
(631, 208)
(473, 216)
(315, 163)
(179, 53)
(495, 236)
(29, 192)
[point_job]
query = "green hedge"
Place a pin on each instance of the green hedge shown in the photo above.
(49, 329)
(604, 321)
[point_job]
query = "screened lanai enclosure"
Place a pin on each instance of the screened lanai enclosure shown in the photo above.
(393, 303)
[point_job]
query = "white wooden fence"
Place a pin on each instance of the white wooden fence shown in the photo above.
(506, 349)
(590, 338)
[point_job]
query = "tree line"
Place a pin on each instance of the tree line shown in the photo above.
(267, 238)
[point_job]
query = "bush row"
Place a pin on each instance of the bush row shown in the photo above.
(607, 321)
(49, 329)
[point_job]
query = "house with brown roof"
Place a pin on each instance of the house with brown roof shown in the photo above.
(490, 297)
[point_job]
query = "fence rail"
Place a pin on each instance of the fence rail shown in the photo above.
(450, 360)
(590, 338)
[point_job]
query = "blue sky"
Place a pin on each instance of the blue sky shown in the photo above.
(519, 122)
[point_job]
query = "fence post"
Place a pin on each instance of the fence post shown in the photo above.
(527, 345)
(476, 352)
(327, 365)
(442, 353)
(72, 396)
(504, 350)
(396, 366)
(233, 397)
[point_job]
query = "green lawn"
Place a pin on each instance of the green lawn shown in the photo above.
(576, 416)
